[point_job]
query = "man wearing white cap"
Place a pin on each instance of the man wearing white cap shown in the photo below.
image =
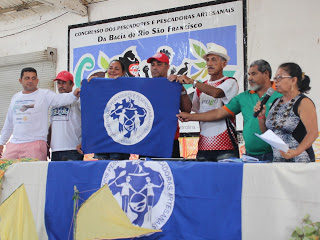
(217, 139)
(65, 124)
(159, 68)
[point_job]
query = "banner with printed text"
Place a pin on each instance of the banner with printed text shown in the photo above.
(184, 34)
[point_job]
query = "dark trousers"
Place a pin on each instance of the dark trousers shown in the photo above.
(263, 157)
(66, 155)
(176, 149)
(216, 155)
(112, 156)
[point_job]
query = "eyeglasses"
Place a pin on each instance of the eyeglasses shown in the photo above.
(280, 77)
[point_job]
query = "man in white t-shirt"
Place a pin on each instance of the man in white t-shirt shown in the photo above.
(65, 124)
(217, 139)
(27, 118)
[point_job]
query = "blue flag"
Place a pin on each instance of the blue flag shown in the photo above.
(129, 115)
(186, 200)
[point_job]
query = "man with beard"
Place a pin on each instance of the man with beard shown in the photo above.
(259, 81)
(65, 124)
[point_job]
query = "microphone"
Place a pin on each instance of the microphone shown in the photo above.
(264, 101)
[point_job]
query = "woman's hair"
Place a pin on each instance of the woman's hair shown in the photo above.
(123, 68)
(294, 70)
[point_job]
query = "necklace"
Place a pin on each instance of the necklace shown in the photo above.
(279, 124)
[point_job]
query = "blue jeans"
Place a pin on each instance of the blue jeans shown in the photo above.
(263, 157)
(66, 155)
(112, 156)
(216, 155)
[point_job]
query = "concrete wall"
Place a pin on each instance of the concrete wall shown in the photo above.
(55, 33)
(287, 30)
(52, 34)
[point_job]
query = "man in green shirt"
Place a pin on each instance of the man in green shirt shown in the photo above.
(259, 81)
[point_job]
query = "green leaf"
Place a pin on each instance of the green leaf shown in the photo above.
(317, 224)
(104, 63)
(294, 234)
(306, 217)
(299, 231)
(201, 64)
(198, 50)
(308, 222)
(306, 238)
(205, 73)
(309, 230)
(314, 237)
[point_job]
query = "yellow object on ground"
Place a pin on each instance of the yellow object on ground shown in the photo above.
(101, 217)
(16, 219)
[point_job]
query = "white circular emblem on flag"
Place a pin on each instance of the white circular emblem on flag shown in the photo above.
(128, 117)
(144, 190)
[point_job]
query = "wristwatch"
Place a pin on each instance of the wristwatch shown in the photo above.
(194, 83)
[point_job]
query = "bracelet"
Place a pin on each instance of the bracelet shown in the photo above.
(194, 83)
(262, 117)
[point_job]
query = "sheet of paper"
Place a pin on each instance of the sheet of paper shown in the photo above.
(276, 142)
(246, 158)
(230, 160)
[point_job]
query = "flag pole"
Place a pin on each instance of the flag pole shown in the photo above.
(75, 206)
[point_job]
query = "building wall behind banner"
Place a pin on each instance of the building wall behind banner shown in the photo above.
(287, 31)
(52, 34)
(55, 32)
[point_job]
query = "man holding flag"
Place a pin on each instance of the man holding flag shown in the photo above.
(217, 139)
(159, 68)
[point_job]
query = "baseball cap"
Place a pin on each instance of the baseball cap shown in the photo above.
(217, 50)
(161, 57)
(64, 76)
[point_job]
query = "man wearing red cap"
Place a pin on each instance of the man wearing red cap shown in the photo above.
(159, 68)
(65, 124)
(27, 118)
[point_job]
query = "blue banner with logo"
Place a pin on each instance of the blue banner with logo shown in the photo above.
(186, 200)
(129, 115)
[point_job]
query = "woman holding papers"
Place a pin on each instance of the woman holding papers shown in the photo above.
(116, 69)
(293, 116)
